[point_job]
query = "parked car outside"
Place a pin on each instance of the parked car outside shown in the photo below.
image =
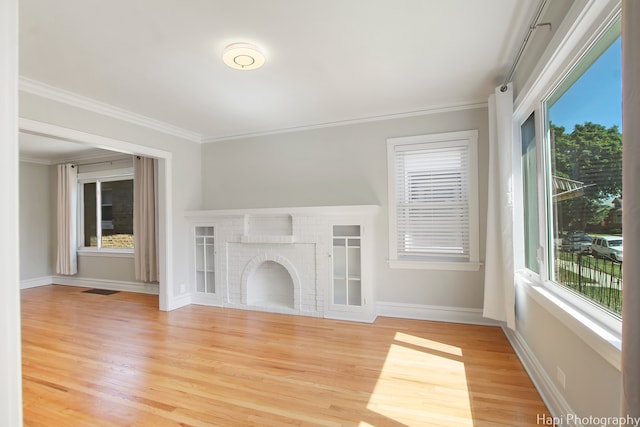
(576, 241)
(607, 247)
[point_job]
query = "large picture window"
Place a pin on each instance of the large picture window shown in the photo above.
(580, 222)
(433, 200)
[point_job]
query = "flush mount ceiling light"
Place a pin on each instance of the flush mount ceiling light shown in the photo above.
(243, 56)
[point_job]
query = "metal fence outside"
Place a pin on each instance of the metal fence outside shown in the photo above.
(598, 279)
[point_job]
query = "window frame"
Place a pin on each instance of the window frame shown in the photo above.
(120, 174)
(580, 31)
(470, 138)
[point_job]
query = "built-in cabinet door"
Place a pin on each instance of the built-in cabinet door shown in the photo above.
(205, 279)
(347, 267)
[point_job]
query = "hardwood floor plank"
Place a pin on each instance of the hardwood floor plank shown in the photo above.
(115, 360)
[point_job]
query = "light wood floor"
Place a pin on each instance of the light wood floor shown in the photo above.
(96, 360)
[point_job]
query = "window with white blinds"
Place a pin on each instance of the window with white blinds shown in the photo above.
(433, 200)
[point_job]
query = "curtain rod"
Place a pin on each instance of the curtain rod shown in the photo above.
(102, 162)
(534, 25)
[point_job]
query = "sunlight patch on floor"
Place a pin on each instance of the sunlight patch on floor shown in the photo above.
(422, 382)
(428, 344)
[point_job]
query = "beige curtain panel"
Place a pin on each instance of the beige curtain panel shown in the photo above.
(144, 220)
(67, 258)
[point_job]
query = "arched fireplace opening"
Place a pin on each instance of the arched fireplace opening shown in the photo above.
(270, 285)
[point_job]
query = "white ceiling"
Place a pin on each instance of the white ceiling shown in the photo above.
(328, 61)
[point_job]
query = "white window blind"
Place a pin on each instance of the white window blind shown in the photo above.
(432, 187)
(433, 197)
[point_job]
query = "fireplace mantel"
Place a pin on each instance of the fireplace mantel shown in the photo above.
(346, 210)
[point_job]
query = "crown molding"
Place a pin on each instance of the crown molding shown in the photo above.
(470, 105)
(70, 98)
(66, 97)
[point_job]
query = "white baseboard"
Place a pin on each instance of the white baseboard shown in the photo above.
(179, 301)
(551, 395)
(35, 282)
(114, 285)
(435, 313)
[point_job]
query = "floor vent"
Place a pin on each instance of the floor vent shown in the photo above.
(100, 291)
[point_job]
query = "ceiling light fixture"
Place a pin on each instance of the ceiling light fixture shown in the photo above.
(243, 56)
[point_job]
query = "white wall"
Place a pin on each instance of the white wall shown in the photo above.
(119, 269)
(185, 184)
(35, 221)
(345, 165)
(592, 385)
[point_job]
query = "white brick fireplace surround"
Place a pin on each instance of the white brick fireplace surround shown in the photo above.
(312, 261)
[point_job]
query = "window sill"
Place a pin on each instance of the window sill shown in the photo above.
(595, 332)
(112, 253)
(435, 265)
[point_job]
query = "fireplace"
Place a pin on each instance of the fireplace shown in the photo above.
(277, 260)
(278, 277)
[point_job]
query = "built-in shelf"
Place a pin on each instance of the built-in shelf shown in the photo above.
(347, 283)
(205, 260)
